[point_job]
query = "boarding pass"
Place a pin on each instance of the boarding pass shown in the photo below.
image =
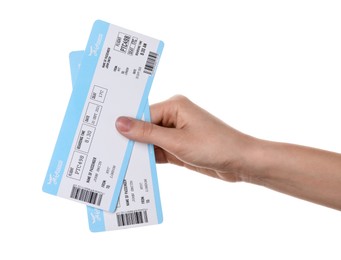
(90, 158)
(139, 201)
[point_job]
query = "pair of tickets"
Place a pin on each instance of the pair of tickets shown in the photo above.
(92, 163)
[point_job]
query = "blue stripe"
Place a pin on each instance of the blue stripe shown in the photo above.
(121, 176)
(74, 110)
(153, 172)
(75, 58)
(95, 219)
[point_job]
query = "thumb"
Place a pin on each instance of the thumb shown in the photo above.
(145, 132)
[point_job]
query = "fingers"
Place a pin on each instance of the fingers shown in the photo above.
(166, 113)
(145, 132)
(167, 130)
(162, 156)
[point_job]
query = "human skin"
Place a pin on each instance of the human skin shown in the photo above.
(186, 135)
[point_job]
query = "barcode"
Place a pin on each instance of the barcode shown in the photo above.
(150, 64)
(86, 195)
(132, 218)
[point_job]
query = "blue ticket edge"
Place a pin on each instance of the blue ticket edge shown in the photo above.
(75, 59)
(75, 108)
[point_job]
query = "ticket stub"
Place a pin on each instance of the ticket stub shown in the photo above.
(139, 201)
(90, 158)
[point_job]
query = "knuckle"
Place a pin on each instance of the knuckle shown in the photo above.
(179, 99)
(179, 102)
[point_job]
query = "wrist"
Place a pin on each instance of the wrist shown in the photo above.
(244, 159)
(254, 163)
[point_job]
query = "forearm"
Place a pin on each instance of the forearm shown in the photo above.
(307, 173)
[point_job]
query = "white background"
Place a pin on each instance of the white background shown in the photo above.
(268, 68)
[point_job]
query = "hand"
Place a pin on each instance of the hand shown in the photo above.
(186, 135)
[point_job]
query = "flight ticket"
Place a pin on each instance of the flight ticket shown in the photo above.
(90, 158)
(139, 202)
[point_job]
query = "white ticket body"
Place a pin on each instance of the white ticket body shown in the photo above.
(139, 201)
(90, 158)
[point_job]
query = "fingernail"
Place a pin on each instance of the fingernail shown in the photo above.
(123, 124)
